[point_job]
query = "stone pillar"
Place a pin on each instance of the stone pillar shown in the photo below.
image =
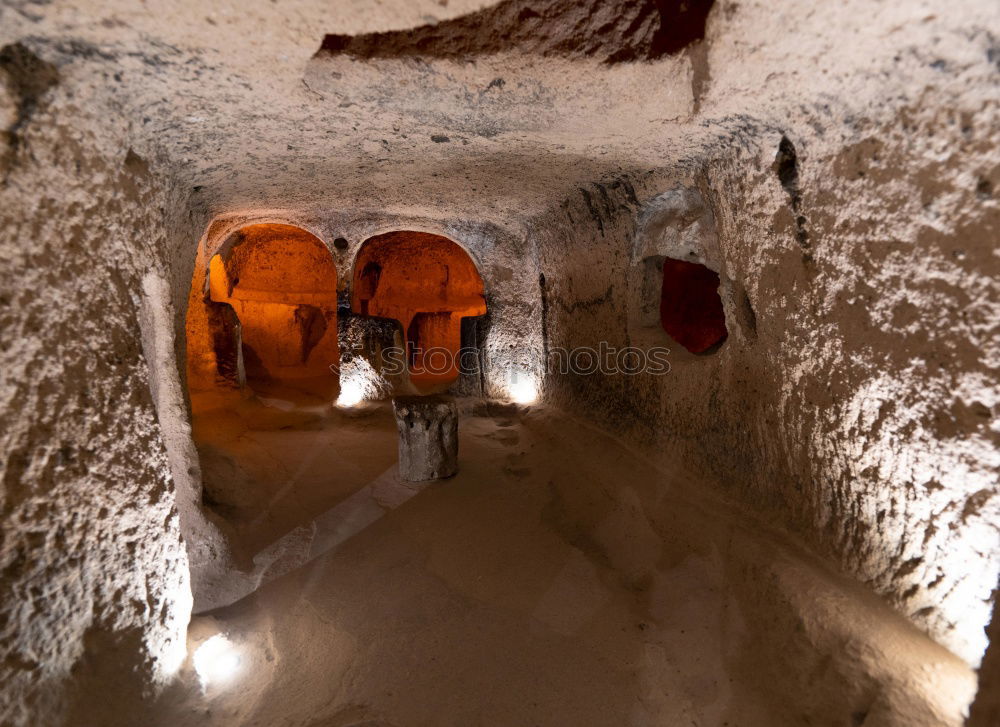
(428, 437)
(372, 349)
(227, 343)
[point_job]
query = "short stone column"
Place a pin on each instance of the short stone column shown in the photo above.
(428, 437)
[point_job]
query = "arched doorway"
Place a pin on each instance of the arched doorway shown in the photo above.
(270, 313)
(429, 284)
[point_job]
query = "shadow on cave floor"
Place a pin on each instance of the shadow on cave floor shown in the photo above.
(276, 460)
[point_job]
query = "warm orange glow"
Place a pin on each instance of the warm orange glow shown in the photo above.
(266, 314)
(427, 283)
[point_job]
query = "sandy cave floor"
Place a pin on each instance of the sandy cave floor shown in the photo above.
(274, 462)
(553, 581)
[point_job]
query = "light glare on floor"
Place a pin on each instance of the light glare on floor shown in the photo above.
(352, 393)
(522, 390)
(216, 661)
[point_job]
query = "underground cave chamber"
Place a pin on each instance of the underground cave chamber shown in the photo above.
(499, 362)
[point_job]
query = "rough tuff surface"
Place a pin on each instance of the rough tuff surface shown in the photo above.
(856, 397)
(24, 79)
(428, 437)
(93, 577)
(857, 392)
(364, 349)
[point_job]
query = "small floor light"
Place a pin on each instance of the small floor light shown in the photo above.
(352, 393)
(522, 388)
(216, 661)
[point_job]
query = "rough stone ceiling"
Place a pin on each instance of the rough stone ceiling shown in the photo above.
(236, 99)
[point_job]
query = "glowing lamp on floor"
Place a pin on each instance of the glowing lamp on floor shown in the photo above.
(522, 388)
(216, 661)
(352, 393)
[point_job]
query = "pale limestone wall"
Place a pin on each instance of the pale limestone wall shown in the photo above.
(93, 575)
(855, 401)
(854, 405)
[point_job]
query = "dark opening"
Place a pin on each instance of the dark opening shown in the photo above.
(413, 338)
(639, 30)
(424, 330)
(368, 285)
(690, 306)
(786, 164)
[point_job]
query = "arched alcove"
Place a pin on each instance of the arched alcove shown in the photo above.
(268, 314)
(429, 284)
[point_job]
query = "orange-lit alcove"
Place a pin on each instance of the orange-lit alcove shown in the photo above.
(264, 315)
(429, 284)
